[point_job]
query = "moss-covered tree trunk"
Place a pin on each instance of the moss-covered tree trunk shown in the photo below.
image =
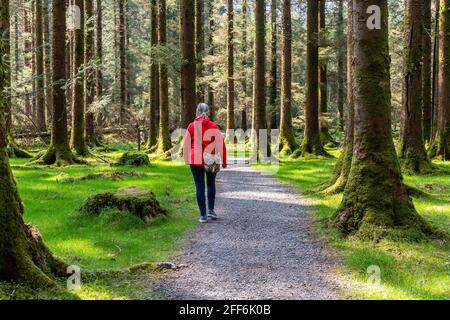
(78, 133)
(200, 46)
(341, 171)
(375, 202)
(230, 72)
(164, 144)
(286, 138)
(426, 72)
(244, 82)
(154, 74)
(413, 156)
(89, 75)
(188, 69)
(440, 147)
(273, 90)
(39, 54)
(311, 142)
(259, 83)
(59, 152)
(340, 37)
(23, 256)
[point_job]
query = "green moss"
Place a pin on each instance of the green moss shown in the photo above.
(133, 158)
(138, 201)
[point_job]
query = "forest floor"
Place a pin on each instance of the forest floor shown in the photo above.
(407, 270)
(118, 253)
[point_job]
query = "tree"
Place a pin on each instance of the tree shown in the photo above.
(325, 136)
(230, 72)
(273, 65)
(286, 138)
(211, 52)
(188, 69)
(311, 142)
(259, 85)
(413, 156)
(123, 101)
(39, 54)
(341, 59)
(376, 203)
(47, 59)
(154, 81)
(199, 46)
(164, 133)
(435, 90)
(244, 65)
(426, 72)
(78, 136)
(59, 152)
(89, 74)
(341, 171)
(440, 147)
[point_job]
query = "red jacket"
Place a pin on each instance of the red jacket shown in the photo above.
(203, 135)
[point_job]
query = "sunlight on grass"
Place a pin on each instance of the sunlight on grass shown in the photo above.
(408, 270)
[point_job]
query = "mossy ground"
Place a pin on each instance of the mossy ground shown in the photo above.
(111, 243)
(408, 270)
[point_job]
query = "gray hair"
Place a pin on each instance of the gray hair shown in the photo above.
(203, 110)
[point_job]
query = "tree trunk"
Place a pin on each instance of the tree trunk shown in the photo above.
(39, 53)
(311, 142)
(440, 148)
(426, 72)
(230, 75)
(199, 46)
(164, 133)
(259, 84)
(47, 59)
(341, 57)
(154, 83)
(341, 171)
(122, 65)
(286, 138)
(244, 125)
(59, 151)
(188, 70)
(89, 74)
(325, 136)
(78, 137)
(99, 57)
(435, 97)
(23, 255)
(273, 106)
(413, 155)
(375, 204)
(211, 52)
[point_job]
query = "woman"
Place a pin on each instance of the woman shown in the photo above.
(204, 139)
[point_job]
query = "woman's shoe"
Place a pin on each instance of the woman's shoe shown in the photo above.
(212, 215)
(203, 219)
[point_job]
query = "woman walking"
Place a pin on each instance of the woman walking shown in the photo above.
(204, 150)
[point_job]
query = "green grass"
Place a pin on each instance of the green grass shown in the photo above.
(108, 242)
(408, 270)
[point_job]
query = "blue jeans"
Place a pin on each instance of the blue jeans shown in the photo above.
(199, 178)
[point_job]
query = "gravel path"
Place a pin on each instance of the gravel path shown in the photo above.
(260, 248)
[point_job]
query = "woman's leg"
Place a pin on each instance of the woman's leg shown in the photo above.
(199, 178)
(211, 183)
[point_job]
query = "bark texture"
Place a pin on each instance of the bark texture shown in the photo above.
(188, 70)
(376, 203)
(154, 81)
(286, 138)
(311, 142)
(230, 72)
(413, 156)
